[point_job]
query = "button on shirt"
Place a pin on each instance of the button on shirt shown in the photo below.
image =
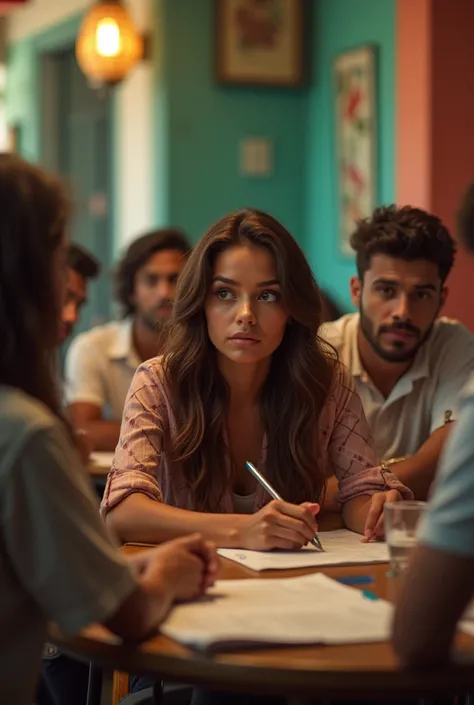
(100, 366)
(448, 524)
(417, 404)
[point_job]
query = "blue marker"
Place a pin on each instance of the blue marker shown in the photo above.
(356, 580)
(370, 595)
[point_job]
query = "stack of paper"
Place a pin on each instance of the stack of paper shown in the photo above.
(341, 547)
(309, 610)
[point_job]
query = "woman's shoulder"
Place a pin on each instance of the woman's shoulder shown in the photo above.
(22, 414)
(24, 418)
(149, 386)
(151, 372)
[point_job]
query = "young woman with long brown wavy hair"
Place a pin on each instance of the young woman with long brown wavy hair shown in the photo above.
(244, 376)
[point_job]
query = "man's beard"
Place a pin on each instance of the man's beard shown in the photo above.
(155, 322)
(394, 355)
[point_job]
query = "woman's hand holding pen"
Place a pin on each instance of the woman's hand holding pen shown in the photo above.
(279, 525)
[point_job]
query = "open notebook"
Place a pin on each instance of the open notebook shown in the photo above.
(313, 609)
(340, 547)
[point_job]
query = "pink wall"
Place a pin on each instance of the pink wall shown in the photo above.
(413, 103)
(453, 134)
(435, 121)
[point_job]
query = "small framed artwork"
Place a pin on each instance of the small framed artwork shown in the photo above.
(356, 136)
(259, 42)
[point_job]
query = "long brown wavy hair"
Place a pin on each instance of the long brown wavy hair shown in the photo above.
(33, 219)
(294, 392)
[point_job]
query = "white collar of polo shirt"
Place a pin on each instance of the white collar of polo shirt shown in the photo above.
(122, 347)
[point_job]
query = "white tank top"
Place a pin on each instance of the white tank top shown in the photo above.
(243, 504)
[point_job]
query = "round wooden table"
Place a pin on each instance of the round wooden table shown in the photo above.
(309, 672)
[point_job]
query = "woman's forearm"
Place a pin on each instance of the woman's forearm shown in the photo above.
(354, 513)
(141, 519)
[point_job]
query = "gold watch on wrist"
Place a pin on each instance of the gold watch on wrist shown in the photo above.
(386, 466)
(392, 461)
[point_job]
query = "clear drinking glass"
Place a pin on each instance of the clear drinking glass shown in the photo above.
(401, 523)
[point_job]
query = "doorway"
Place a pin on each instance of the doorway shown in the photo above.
(77, 144)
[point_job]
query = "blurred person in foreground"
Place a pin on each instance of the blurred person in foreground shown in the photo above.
(46, 502)
(439, 583)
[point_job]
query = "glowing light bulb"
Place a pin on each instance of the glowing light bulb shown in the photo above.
(108, 45)
(107, 37)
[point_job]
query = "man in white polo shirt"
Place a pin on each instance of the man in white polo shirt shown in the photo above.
(409, 366)
(101, 362)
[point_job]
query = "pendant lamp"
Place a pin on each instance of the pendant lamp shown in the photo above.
(108, 45)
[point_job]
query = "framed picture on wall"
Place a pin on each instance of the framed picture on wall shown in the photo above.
(259, 42)
(356, 137)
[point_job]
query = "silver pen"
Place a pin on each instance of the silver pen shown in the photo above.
(274, 494)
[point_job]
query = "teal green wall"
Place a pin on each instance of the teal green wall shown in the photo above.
(338, 25)
(23, 100)
(199, 124)
(207, 122)
(23, 97)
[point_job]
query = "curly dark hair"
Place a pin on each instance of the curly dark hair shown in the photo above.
(407, 233)
(138, 254)
(82, 261)
(465, 218)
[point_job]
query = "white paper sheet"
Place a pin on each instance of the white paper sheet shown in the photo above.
(340, 547)
(467, 627)
(466, 624)
(309, 610)
(102, 460)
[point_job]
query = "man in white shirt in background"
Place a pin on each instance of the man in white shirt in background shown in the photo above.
(409, 366)
(82, 267)
(101, 362)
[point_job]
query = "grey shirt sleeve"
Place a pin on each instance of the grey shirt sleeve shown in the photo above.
(456, 368)
(56, 541)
